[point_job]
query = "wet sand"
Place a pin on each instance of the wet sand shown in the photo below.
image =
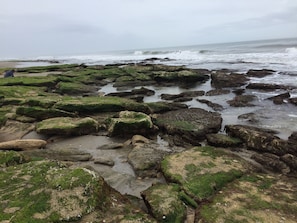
(8, 64)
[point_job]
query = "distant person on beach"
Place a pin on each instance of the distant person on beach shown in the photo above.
(9, 73)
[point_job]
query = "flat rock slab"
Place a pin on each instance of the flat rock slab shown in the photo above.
(190, 124)
(23, 144)
(202, 171)
(254, 198)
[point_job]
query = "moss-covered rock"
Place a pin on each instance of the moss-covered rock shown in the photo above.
(29, 81)
(22, 91)
(164, 204)
(39, 113)
(74, 88)
(130, 123)
(67, 126)
(221, 140)
(100, 104)
(184, 75)
(202, 171)
(189, 125)
(254, 198)
(11, 158)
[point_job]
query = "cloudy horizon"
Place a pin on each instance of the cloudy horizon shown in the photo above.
(52, 27)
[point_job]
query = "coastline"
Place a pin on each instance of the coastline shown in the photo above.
(8, 64)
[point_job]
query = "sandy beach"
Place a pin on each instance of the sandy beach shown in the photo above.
(8, 64)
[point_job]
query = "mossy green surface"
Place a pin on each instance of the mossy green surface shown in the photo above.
(10, 158)
(99, 104)
(130, 123)
(72, 88)
(39, 113)
(47, 191)
(251, 198)
(164, 203)
(22, 91)
(67, 126)
(29, 81)
(201, 171)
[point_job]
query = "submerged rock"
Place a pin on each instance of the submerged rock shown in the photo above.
(242, 101)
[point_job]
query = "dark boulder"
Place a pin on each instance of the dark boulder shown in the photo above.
(258, 139)
(259, 73)
(221, 140)
(191, 125)
(293, 101)
(271, 162)
(268, 87)
(223, 80)
(215, 92)
(279, 99)
(214, 106)
(291, 161)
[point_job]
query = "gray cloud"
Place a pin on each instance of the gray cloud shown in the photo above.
(53, 27)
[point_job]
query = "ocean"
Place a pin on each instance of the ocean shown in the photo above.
(278, 55)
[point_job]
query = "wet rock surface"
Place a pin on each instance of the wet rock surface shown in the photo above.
(238, 174)
(190, 124)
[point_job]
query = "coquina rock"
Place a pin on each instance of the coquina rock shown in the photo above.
(129, 123)
(23, 144)
(67, 126)
(189, 125)
(51, 191)
(258, 139)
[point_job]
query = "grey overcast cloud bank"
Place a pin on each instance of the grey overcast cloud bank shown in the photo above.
(64, 27)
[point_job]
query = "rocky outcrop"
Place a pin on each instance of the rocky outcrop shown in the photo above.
(202, 171)
(267, 87)
(145, 157)
(214, 106)
(258, 139)
(259, 73)
(67, 126)
(129, 123)
(279, 99)
(164, 203)
(224, 80)
(186, 94)
(51, 191)
(221, 140)
(23, 144)
(190, 125)
(250, 197)
(42, 113)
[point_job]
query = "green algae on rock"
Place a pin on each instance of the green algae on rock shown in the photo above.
(202, 171)
(11, 158)
(99, 104)
(67, 126)
(39, 113)
(164, 204)
(129, 123)
(251, 198)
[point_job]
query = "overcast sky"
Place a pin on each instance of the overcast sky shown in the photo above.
(64, 27)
